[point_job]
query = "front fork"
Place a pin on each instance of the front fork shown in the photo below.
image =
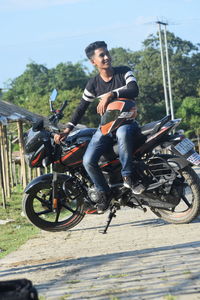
(55, 192)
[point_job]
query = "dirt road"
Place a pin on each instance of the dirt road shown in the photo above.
(141, 257)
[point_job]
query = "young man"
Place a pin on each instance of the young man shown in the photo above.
(109, 84)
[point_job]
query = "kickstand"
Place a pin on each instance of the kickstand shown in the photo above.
(112, 214)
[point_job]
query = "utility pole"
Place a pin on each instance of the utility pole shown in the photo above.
(167, 67)
(163, 69)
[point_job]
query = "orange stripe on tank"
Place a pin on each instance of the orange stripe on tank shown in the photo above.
(36, 159)
(72, 151)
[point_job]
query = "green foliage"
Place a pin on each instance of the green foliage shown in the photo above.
(34, 81)
(175, 44)
(18, 230)
(122, 57)
(32, 89)
(38, 81)
(73, 97)
(189, 111)
(67, 76)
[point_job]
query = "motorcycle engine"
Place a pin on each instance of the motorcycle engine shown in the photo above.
(92, 193)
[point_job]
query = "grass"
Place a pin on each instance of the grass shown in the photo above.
(73, 281)
(41, 297)
(19, 230)
(116, 275)
(170, 297)
(64, 297)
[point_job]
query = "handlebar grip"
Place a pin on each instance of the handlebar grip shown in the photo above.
(52, 134)
(63, 106)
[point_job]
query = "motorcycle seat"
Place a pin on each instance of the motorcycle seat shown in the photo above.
(147, 128)
(153, 127)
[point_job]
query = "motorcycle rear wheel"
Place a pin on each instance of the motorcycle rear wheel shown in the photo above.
(37, 206)
(189, 207)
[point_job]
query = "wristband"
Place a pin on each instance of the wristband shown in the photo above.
(70, 126)
(114, 94)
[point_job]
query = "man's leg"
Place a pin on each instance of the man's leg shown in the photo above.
(126, 136)
(99, 145)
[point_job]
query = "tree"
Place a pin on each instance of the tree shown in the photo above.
(67, 76)
(121, 56)
(184, 69)
(189, 111)
(33, 81)
(37, 82)
(184, 64)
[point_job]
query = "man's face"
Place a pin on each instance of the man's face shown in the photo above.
(101, 58)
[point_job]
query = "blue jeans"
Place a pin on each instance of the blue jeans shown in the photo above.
(100, 144)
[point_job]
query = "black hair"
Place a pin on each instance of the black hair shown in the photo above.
(89, 50)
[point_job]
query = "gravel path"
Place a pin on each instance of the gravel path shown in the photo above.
(141, 257)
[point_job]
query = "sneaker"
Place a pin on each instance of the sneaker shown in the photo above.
(136, 187)
(103, 201)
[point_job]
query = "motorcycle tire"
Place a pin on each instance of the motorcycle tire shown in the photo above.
(37, 207)
(191, 201)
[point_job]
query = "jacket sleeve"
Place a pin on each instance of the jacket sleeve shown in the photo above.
(130, 92)
(130, 89)
(87, 97)
(78, 114)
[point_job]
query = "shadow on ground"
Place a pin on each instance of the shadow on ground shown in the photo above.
(141, 223)
(141, 274)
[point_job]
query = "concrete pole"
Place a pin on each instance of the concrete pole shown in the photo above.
(163, 69)
(168, 73)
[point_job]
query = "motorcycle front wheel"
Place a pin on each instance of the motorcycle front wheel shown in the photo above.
(189, 207)
(37, 206)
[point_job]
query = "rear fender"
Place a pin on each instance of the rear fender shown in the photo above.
(181, 162)
(46, 178)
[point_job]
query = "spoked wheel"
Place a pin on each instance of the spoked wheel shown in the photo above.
(37, 206)
(189, 206)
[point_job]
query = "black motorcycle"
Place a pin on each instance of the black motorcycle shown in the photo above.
(61, 199)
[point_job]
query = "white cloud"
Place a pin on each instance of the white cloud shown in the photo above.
(31, 4)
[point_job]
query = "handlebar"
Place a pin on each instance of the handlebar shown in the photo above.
(62, 142)
(63, 106)
(58, 114)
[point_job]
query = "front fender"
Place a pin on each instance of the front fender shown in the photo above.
(46, 178)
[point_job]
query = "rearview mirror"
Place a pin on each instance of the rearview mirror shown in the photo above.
(52, 98)
(53, 95)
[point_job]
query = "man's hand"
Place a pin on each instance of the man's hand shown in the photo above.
(60, 137)
(101, 108)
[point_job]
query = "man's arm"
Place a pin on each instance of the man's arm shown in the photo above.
(103, 103)
(130, 92)
(78, 114)
(87, 97)
(130, 88)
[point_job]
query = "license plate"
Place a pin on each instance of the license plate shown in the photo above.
(194, 159)
(184, 146)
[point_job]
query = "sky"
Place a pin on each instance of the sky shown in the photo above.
(49, 32)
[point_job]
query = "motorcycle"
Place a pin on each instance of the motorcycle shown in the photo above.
(61, 199)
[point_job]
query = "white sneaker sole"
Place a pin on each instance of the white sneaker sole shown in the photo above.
(137, 190)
